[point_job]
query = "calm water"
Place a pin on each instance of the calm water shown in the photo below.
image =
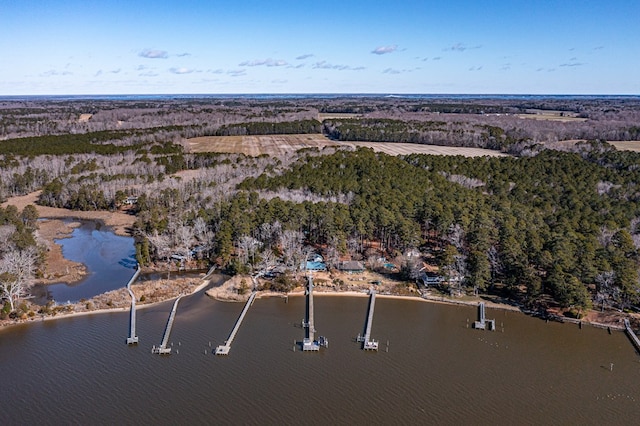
(436, 371)
(104, 253)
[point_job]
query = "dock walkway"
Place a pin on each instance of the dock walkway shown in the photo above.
(162, 349)
(367, 343)
(224, 349)
(633, 336)
(132, 339)
(309, 343)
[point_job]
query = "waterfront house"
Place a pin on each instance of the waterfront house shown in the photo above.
(352, 267)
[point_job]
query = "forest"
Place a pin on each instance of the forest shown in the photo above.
(557, 221)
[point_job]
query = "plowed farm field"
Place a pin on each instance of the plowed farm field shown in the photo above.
(626, 145)
(277, 145)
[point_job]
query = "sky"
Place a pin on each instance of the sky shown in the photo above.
(70, 47)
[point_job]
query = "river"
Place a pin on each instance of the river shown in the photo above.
(437, 370)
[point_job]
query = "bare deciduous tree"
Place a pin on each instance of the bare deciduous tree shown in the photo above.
(291, 243)
(16, 274)
(605, 292)
(248, 246)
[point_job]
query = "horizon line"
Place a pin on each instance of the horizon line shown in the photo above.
(316, 94)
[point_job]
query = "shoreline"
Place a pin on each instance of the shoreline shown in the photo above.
(206, 282)
(56, 267)
(443, 301)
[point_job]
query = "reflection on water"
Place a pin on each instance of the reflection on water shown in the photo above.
(437, 370)
(109, 259)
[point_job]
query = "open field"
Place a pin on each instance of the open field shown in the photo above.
(276, 145)
(626, 145)
(336, 115)
(619, 145)
(414, 148)
(552, 117)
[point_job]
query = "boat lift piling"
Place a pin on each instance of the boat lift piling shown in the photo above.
(483, 323)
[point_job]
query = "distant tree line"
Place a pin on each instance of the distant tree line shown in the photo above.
(270, 128)
(423, 132)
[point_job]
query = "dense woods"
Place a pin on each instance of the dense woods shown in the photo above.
(270, 128)
(542, 226)
(427, 132)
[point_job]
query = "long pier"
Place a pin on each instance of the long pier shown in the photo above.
(367, 343)
(633, 336)
(309, 343)
(224, 349)
(132, 339)
(162, 349)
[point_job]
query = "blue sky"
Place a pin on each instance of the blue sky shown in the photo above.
(456, 46)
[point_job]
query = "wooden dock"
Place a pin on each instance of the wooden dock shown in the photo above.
(367, 343)
(224, 349)
(633, 336)
(132, 339)
(483, 323)
(309, 343)
(163, 349)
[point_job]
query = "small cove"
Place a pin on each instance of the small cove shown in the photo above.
(109, 259)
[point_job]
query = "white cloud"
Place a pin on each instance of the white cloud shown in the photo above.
(154, 54)
(461, 47)
(237, 73)
(54, 73)
(324, 65)
(397, 71)
(305, 56)
(458, 47)
(572, 64)
(264, 62)
(382, 50)
(181, 70)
